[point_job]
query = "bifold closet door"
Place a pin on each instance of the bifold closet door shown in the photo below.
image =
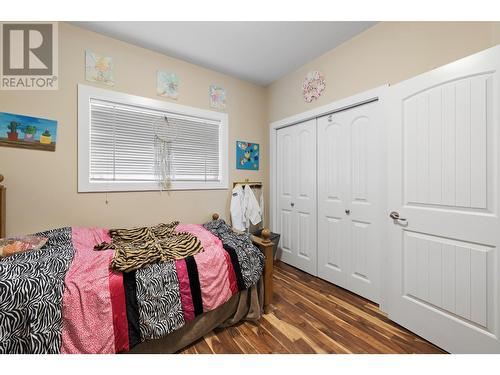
(349, 170)
(296, 192)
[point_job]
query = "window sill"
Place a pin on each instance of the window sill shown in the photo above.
(94, 187)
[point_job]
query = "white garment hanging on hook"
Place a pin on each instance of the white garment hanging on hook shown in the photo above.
(244, 208)
(252, 208)
(238, 219)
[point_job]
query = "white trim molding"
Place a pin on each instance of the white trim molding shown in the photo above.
(87, 93)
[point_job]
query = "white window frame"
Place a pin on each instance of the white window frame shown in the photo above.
(88, 93)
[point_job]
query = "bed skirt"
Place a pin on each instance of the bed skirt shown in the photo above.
(245, 305)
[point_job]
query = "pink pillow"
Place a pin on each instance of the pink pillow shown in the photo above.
(16, 245)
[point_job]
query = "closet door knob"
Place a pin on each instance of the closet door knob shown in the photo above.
(347, 212)
(292, 204)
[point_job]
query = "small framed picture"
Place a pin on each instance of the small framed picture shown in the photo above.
(247, 155)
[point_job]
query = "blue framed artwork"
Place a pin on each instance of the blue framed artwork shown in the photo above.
(247, 155)
(27, 132)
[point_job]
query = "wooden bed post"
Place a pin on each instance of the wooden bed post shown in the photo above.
(3, 203)
(266, 246)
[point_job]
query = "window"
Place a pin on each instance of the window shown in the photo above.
(116, 143)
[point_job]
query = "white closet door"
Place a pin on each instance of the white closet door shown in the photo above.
(286, 192)
(444, 173)
(333, 199)
(349, 196)
(296, 177)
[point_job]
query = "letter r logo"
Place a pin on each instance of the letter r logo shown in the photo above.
(27, 49)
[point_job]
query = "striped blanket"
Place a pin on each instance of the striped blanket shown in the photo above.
(64, 298)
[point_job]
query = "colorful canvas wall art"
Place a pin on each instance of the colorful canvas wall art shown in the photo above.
(27, 132)
(313, 86)
(217, 97)
(167, 84)
(247, 155)
(99, 68)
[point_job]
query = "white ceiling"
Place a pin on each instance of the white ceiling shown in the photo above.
(259, 52)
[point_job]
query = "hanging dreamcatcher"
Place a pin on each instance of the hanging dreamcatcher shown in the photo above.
(165, 134)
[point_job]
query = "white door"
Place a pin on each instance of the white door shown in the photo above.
(349, 198)
(296, 191)
(444, 180)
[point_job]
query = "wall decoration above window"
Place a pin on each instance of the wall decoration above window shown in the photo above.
(217, 97)
(247, 155)
(99, 68)
(313, 86)
(27, 132)
(167, 84)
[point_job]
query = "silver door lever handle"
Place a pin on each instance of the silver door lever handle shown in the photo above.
(395, 216)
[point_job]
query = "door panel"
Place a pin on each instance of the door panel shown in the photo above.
(360, 250)
(297, 195)
(333, 200)
(286, 230)
(359, 174)
(443, 273)
(445, 161)
(443, 260)
(333, 245)
(365, 197)
(349, 197)
(285, 190)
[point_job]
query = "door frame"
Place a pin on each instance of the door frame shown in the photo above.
(375, 94)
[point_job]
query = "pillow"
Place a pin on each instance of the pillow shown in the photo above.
(16, 245)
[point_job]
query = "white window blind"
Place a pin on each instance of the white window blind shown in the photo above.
(122, 144)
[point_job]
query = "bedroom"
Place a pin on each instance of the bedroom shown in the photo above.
(126, 124)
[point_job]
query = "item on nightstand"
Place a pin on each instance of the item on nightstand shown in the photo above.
(16, 245)
(274, 237)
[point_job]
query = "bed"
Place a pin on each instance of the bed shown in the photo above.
(65, 298)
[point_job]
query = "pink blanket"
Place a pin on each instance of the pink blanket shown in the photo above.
(94, 311)
(212, 267)
(87, 312)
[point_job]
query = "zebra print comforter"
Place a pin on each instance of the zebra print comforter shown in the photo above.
(64, 298)
(31, 291)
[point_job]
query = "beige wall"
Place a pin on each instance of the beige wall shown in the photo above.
(388, 52)
(42, 186)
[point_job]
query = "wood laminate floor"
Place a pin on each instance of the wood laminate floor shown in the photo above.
(313, 316)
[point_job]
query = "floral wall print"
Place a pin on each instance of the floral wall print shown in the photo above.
(99, 68)
(313, 86)
(247, 155)
(217, 97)
(27, 132)
(167, 84)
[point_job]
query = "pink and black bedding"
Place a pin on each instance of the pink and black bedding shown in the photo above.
(64, 298)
